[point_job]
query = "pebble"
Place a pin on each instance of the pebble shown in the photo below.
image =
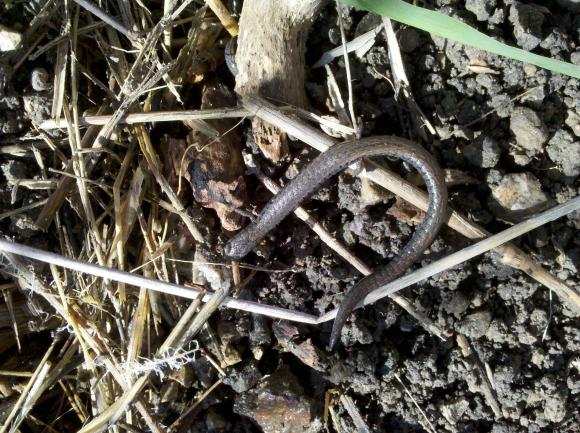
(474, 325)
(277, 404)
(529, 130)
(24, 225)
(565, 152)
(40, 80)
(527, 21)
(483, 152)
(555, 405)
(481, 8)
(242, 378)
(9, 39)
(229, 339)
(517, 195)
(456, 303)
(573, 122)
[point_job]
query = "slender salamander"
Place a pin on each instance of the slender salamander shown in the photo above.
(320, 170)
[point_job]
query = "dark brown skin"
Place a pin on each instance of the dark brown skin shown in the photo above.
(334, 160)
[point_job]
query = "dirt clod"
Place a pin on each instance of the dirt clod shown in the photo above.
(564, 150)
(517, 195)
(475, 325)
(278, 404)
(529, 130)
(9, 39)
(527, 21)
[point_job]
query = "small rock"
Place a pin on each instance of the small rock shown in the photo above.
(575, 56)
(484, 152)
(278, 404)
(355, 332)
(242, 378)
(40, 80)
(229, 337)
(456, 304)
(481, 8)
(518, 195)
(9, 39)
(555, 405)
(475, 325)
(23, 225)
(202, 273)
(184, 375)
(305, 351)
(37, 107)
(573, 121)
(527, 21)
(530, 132)
(564, 151)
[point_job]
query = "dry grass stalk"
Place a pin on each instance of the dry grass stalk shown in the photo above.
(180, 335)
(149, 117)
(10, 307)
(427, 425)
(229, 23)
(181, 423)
(155, 167)
(475, 366)
(354, 413)
(90, 333)
(39, 374)
(401, 82)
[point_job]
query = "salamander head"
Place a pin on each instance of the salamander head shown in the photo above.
(239, 246)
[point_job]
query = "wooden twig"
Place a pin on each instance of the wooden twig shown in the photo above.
(280, 71)
(474, 366)
(354, 413)
(511, 255)
(188, 115)
(105, 17)
(229, 23)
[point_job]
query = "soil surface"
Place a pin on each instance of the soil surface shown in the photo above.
(509, 131)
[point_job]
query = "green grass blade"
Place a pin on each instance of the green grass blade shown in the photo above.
(442, 25)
